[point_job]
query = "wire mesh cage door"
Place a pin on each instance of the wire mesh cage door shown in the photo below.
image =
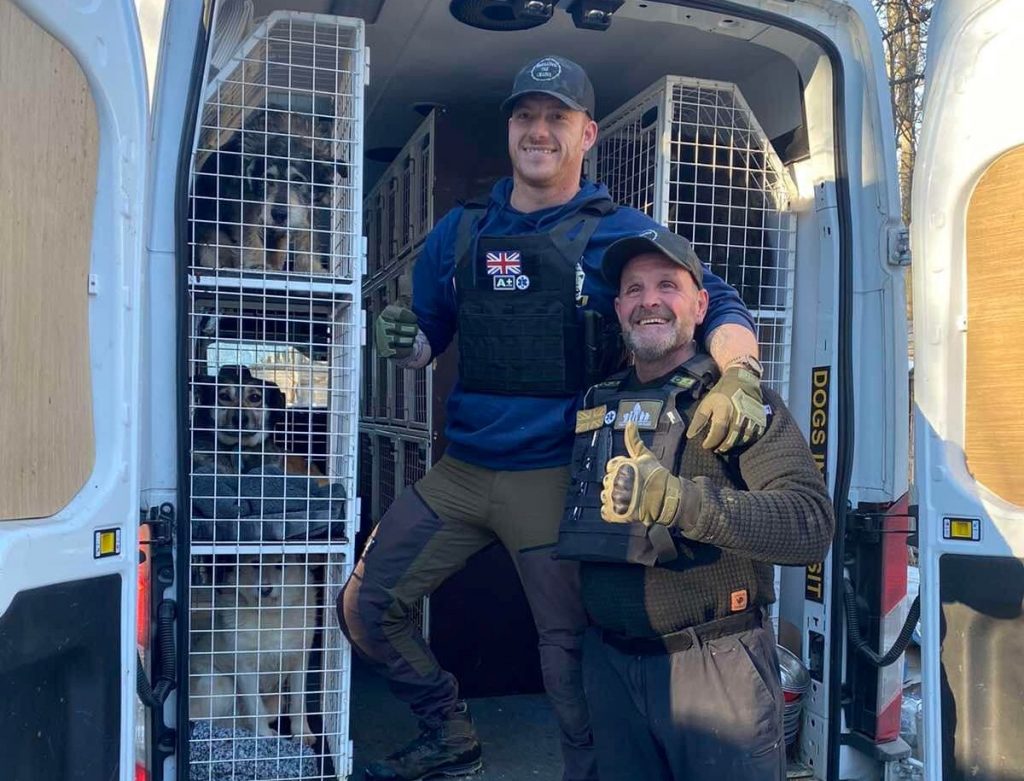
(690, 154)
(277, 152)
(274, 327)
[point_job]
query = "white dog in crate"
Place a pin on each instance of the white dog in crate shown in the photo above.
(252, 633)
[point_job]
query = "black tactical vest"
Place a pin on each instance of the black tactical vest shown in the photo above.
(518, 329)
(584, 535)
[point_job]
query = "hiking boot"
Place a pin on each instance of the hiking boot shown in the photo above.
(452, 749)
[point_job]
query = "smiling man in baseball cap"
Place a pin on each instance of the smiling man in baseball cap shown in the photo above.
(676, 544)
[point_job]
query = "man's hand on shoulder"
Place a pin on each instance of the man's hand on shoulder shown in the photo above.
(732, 412)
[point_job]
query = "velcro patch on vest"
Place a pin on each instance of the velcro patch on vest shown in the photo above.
(590, 419)
(643, 412)
(682, 381)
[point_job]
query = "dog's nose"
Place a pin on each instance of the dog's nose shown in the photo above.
(267, 591)
(279, 214)
(235, 420)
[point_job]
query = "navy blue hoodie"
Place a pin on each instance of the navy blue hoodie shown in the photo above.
(529, 432)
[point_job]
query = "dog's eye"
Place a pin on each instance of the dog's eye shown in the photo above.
(224, 395)
(255, 397)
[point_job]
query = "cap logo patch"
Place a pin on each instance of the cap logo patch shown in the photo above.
(650, 234)
(547, 69)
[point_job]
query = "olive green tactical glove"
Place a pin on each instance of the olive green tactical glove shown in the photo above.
(395, 332)
(732, 412)
(639, 488)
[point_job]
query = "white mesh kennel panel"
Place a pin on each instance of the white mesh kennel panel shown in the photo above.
(274, 330)
(273, 416)
(266, 665)
(276, 168)
(691, 154)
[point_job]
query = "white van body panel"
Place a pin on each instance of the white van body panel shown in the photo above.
(103, 37)
(976, 51)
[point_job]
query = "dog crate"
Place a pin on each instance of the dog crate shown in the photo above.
(277, 153)
(691, 154)
(274, 330)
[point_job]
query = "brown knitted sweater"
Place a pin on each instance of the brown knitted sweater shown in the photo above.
(741, 514)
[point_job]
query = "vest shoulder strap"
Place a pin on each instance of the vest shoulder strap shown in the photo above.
(607, 387)
(697, 375)
(472, 211)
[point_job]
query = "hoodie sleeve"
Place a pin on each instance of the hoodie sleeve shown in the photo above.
(724, 306)
(433, 290)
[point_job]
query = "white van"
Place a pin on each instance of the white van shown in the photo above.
(183, 306)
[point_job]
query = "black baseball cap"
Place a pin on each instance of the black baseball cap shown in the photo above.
(555, 76)
(660, 240)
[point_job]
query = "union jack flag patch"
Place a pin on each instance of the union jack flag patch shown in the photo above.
(503, 263)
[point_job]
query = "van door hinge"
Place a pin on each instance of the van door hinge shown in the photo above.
(899, 245)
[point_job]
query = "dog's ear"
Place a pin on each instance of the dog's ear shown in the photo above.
(274, 401)
(205, 390)
(272, 395)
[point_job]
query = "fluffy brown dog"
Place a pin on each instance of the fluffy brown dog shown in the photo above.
(251, 641)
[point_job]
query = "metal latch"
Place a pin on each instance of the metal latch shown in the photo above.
(161, 525)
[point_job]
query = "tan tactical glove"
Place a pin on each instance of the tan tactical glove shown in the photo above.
(639, 488)
(733, 411)
(395, 332)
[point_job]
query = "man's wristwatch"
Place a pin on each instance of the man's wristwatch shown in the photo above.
(748, 362)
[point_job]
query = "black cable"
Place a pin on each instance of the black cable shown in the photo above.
(861, 645)
(154, 696)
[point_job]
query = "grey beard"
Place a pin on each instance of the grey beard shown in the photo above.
(649, 351)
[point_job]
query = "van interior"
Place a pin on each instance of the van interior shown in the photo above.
(720, 126)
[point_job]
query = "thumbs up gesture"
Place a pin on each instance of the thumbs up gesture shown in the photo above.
(638, 487)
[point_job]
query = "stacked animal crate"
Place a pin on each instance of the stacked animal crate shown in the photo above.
(396, 409)
(452, 155)
(273, 333)
(691, 154)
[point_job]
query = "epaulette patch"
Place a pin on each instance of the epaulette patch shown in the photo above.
(682, 381)
(590, 419)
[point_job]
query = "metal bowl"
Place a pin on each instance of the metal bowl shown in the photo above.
(795, 678)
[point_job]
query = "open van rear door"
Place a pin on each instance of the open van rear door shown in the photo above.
(72, 157)
(968, 244)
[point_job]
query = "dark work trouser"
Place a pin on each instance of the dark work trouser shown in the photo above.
(456, 510)
(710, 713)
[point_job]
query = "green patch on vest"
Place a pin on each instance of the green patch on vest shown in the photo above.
(643, 412)
(683, 381)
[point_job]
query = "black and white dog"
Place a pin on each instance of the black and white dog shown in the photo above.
(234, 421)
(257, 197)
